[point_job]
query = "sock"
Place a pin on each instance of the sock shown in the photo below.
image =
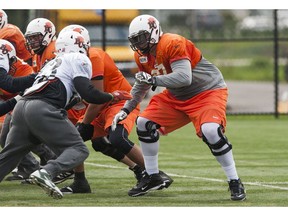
(80, 176)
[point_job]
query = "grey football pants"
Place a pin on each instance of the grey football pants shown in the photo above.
(34, 122)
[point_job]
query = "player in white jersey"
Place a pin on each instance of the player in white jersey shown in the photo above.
(40, 117)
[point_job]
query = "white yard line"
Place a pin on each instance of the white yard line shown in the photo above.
(260, 184)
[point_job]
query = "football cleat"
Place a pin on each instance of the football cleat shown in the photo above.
(77, 187)
(63, 177)
(237, 190)
(43, 180)
(146, 184)
(167, 179)
(138, 172)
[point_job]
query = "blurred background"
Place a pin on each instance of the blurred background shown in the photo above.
(250, 47)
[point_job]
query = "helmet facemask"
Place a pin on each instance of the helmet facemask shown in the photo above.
(140, 41)
(35, 42)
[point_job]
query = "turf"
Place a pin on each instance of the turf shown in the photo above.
(260, 152)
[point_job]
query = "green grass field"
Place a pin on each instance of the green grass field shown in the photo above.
(260, 151)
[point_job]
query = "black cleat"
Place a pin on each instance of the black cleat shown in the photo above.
(63, 177)
(138, 172)
(146, 184)
(167, 179)
(237, 190)
(77, 187)
(17, 176)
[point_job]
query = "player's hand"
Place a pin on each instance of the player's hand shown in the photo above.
(121, 115)
(85, 130)
(119, 95)
(142, 77)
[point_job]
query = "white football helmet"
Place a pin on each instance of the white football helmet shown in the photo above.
(70, 41)
(144, 32)
(39, 34)
(3, 19)
(7, 50)
(78, 28)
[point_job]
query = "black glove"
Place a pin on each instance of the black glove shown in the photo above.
(85, 130)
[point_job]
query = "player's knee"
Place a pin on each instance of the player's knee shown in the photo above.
(213, 136)
(147, 130)
(99, 144)
(119, 139)
(103, 145)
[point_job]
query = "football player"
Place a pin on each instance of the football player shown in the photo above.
(195, 93)
(94, 121)
(41, 116)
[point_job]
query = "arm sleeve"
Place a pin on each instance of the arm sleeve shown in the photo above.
(7, 106)
(89, 93)
(15, 84)
(181, 75)
(138, 92)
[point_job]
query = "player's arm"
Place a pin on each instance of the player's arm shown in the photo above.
(90, 94)
(8, 105)
(138, 92)
(181, 75)
(15, 84)
(93, 109)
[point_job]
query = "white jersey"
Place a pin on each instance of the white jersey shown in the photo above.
(65, 67)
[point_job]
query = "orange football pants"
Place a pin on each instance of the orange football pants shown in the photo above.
(172, 114)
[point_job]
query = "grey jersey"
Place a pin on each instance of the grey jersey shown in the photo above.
(183, 83)
(205, 76)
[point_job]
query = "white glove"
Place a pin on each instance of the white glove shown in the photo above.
(121, 115)
(142, 77)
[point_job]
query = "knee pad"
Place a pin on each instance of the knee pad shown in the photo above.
(222, 146)
(103, 145)
(119, 139)
(150, 133)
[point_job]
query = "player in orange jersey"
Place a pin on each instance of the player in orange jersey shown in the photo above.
(14, 35)
(40, 39)
(195, 93)
(95, 124)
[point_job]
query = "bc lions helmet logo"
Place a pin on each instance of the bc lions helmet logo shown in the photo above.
(79, 41)
(79, 30)
(152, 23)
(48, 27)
(5, 48)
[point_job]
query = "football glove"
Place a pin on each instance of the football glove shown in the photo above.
(121, 115)
(142, 77)
(85, 130)
(119, 95)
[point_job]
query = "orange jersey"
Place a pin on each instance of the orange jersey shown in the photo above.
(14, 35)
(39, 61)
(21, 69)
(103, 65)
(170, 48)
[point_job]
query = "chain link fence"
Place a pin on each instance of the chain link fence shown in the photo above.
(250, 47)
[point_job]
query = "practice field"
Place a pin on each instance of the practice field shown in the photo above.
(260, 147)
